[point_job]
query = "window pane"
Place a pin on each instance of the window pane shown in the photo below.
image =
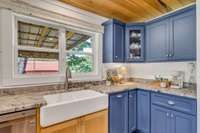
(80, 62)
(79, 52)
(37, 35)
(78, 42)
(31, 62)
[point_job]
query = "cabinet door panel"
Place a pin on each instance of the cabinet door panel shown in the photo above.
(95, 123)
(183, 123)
(118, 43)
(157, 41)
(143, 111)
(108, 43)
(183, 45)
(132, 118)
(118, 113)
(134, 45)
(160, 120)
(71, 126)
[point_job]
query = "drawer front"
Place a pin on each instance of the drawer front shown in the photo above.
(181, 104)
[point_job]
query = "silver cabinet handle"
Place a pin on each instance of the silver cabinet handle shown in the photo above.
(116, 56)
(167, 114)
(172, 115)
(171, 102)
(167, 55)
(119, 96)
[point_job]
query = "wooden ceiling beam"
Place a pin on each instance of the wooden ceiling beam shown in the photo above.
(43, 35)
(69, 35)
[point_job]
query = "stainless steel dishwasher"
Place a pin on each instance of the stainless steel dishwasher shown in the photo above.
(19, 122)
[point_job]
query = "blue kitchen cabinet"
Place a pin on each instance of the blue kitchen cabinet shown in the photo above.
(173, 114)
(134, 44)
(160, 120)
(164, 120)
(157, 41)
(182, 123)
(143, 111)
(183, 36)
(132, 111)
(118, 113)
(172, 37)
(113, 41)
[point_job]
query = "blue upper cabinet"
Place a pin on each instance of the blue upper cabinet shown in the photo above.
(173, 37)
(118, 113)
(134, 44)
(143, 111)
(183, 37)
(157, 41)
(132, 111)
(113, 41)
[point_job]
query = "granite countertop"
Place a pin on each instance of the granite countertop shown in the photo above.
(31, 99)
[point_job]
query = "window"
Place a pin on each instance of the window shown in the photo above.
(79, 52)
(37, 49)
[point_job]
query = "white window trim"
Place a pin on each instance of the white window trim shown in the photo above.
(18, 79)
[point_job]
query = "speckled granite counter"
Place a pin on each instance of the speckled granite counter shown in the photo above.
(32, 98)
(186, 92)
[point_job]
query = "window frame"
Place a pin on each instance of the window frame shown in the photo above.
(92, 35)
(62, 28)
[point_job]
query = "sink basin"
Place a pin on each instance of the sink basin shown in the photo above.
(65, 106)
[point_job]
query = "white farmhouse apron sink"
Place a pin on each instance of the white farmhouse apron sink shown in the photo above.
(65, 106)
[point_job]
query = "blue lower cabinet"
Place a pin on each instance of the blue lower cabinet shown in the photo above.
(118, 113)
(172, 114)
(143, 111)
(140, 111)
(168, 121)
(183, 123)
(160, 120)
(132, 111)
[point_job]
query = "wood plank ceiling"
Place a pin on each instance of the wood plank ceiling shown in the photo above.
(129, 10)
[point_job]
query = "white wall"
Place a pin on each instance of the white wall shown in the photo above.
(149, 70)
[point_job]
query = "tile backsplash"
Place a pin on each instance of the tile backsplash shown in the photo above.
(149, 70)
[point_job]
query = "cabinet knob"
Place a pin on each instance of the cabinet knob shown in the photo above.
(167, 114)
(32, 122)
(116, 56)
(172, 115)
(171, 102)
(167, 55)
(119, 96)
(170, 55)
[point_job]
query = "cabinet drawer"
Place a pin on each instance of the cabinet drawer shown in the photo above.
(181, 104)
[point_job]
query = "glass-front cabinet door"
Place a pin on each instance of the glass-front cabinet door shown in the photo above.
(135, 43)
